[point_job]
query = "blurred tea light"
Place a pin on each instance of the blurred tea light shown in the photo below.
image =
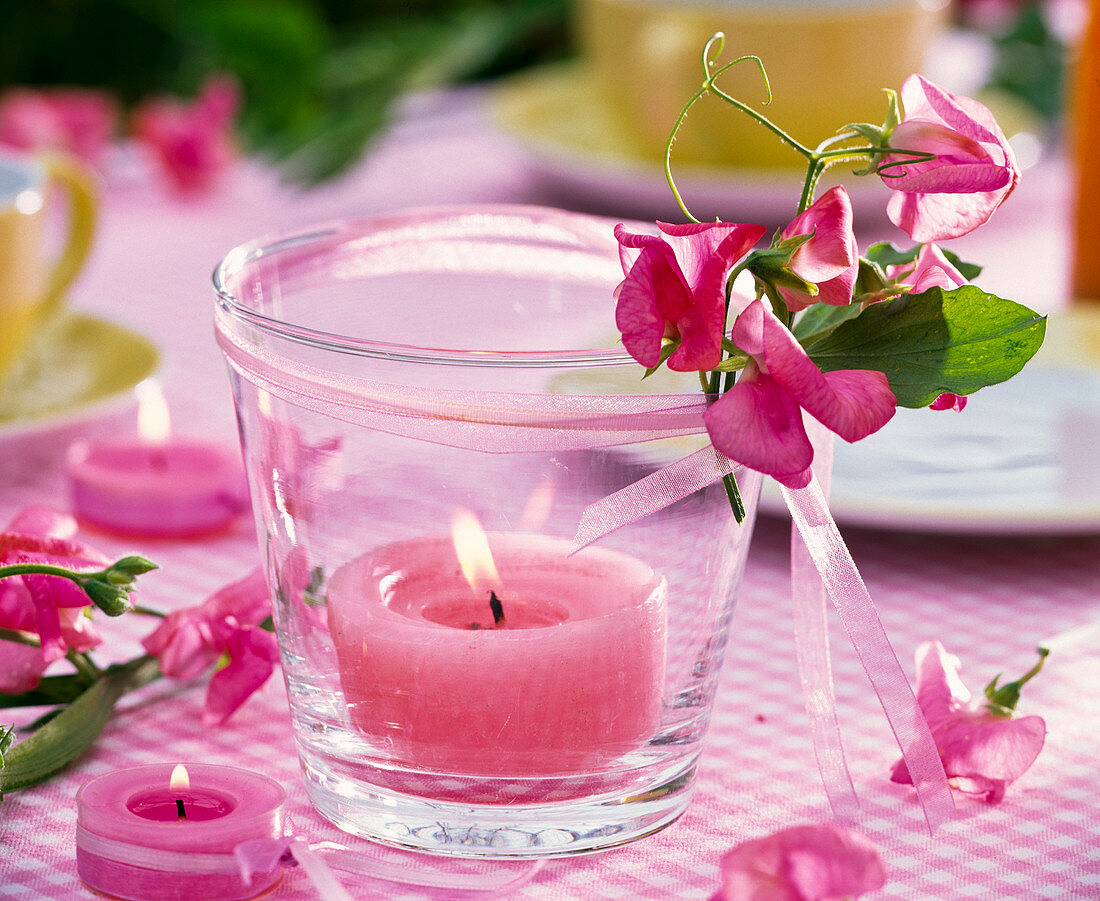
(153, 485)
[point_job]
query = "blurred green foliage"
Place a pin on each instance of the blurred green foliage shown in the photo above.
(1030, 63)
(319, 77)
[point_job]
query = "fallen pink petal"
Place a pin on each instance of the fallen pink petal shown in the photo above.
(224, 628)
(812, 862)
(983, 750)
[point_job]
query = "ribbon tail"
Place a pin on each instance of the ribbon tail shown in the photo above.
(811, 634)
(650, 494)
(487, 879)
(861, 621)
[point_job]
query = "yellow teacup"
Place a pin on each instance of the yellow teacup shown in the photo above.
(32, 287)
(827, 61)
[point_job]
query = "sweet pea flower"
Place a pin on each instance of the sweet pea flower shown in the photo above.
(983, 748)
(51, 607)
(812, 862)
(675, 288)
(971, 172)
(931, 269)
(830, 258)
(80, 121)
(226, 625)
(949, 401)
(191, 141)
(758, 422)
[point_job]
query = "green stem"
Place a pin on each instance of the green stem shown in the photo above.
(18, 637)
(44, 569)
(147, 611)
(84, 665)
(68, 735)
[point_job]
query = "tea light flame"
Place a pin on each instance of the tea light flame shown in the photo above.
(474, 557)
(179, 780)
(153, 422)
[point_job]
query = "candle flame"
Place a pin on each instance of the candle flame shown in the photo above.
(179, 780)
(154, 423)
(474, 556)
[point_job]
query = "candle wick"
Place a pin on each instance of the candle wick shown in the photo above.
(181, 811)
(158, 458)
(497, 607)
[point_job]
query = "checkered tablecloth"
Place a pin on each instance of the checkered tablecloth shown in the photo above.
(990, 600)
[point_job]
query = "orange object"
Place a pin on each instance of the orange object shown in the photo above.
(1086, 147)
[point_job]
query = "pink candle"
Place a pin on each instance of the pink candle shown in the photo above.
(179, 489)
(142, 833)
(153, 485)
(554, 666)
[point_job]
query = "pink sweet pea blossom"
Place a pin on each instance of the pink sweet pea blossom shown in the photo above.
(972, 171)
(982, 751)
(830, 259)
(949, 401)
(931, 269)
(188, 642)
(813, 862)
(76, 120)
(758, 422)
(51, 607)
(191, 141)
(675, 288)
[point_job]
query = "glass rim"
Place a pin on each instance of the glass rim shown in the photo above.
(243, 255)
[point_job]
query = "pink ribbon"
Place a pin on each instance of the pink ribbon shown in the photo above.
(811, 640)
(486, 879)
(497, 422)
(819, 557)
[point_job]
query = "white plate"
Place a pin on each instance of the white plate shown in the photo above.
(1020, 459)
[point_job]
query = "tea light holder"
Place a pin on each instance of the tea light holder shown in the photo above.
(142, 833)
(155, 485)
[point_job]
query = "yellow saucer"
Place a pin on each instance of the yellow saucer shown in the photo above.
(581, 152)
(77, 367)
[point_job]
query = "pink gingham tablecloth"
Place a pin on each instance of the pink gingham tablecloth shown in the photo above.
(990, 600)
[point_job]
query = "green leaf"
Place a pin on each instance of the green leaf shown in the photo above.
(958, 341)
(50, 690)
(816, 321)
(669, 346)
(74, 729)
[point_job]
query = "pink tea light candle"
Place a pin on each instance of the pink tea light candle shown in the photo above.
(545, 664)
(155, 485)
(160, 832)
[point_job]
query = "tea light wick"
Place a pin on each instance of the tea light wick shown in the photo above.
(181, 811)
(497, 607)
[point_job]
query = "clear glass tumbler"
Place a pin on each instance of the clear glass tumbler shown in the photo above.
(428, 402)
